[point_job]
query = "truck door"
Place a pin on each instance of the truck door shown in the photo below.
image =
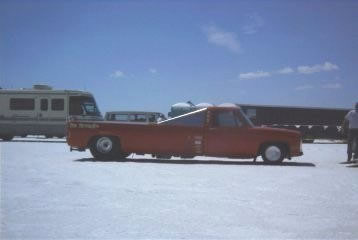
(225, 135)
(182, 135)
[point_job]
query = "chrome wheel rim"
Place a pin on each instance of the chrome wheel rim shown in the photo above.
(273, 153)
(104, 145)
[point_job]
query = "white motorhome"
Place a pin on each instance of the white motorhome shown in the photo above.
(43, 111)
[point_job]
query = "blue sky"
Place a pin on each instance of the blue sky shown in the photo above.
(148, 55)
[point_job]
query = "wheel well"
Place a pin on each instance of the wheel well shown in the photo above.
(284, 146)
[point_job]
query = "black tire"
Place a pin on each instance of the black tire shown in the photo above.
(105, 148)
(273, 153)
(7, 137)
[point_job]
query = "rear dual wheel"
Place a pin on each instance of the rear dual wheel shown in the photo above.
(106, 148)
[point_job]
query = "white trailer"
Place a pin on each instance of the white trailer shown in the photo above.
(43, 111)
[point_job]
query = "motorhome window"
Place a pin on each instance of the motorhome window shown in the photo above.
(57, 104)
(83, 105)
(75, 106)
(44, 104)
(193, 120)
(225, 119)
(22, 104)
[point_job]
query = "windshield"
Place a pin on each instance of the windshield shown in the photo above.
(90, 108)
(83, 105)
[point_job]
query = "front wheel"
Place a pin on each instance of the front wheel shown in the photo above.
(273, 154)
(104, 148)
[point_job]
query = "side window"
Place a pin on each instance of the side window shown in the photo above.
(152, 118)
(225, 119)
(22, 104)
(76, 109)
(141, 118)
(192, 120)
(57, 104)
(44, 105)
(138, 118)
(120, 117)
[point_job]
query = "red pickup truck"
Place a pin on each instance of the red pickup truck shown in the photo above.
(212, 131)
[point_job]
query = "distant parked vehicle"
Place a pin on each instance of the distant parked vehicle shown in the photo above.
(135, 117)
(43, 111)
